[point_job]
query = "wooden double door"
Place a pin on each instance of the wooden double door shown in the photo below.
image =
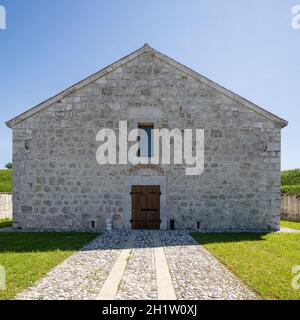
(145, 207)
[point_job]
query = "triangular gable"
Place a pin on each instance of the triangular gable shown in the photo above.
(146, 48)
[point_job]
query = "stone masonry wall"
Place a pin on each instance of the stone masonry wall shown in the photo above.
(58, 185)
(5, 206)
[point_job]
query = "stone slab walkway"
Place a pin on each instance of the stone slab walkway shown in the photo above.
(165, 288)
(140, 265)
(196, 274)
(112, 283)
(139, 279)
(81, 276)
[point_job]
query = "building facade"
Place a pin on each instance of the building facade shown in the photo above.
(59, 185)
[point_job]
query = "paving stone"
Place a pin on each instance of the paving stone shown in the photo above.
(196, 274)
(139, 280)
(81, 276)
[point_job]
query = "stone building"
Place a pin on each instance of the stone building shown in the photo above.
(59, 185)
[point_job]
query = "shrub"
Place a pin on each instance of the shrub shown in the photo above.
(5, 180)
(290, 189)
(290, 177)
(9, 165)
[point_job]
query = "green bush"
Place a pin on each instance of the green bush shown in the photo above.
(5, 180)
(290, 189)
(290, 177)
(9, 165)
(290, 181)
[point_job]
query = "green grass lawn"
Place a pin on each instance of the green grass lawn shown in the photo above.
(5, 223)
(290, 224)
(29, 256)
(5, 180)
(263, 261)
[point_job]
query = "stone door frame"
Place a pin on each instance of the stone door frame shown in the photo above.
(142, 180)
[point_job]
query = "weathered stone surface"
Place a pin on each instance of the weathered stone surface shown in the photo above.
(194, 273)
(56, 147)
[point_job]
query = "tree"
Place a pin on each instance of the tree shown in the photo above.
(9, 165)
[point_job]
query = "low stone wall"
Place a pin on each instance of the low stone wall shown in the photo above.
(5, 205)
(290, 207)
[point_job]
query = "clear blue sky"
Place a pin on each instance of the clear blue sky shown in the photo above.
(247, 46)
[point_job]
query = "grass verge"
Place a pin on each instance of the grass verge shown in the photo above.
(5, 223)
(290, 224)
(27, 257)
(263, 261)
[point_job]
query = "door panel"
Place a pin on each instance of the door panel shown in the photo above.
(145, 207)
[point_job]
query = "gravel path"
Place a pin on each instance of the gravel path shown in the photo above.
(139, 280)
(196, 274)
(81, 276)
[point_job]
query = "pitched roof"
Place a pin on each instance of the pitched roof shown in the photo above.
(146, 48)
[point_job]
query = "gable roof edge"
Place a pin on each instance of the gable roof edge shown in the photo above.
(234, 96)
(86, 81)
(146, 48)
